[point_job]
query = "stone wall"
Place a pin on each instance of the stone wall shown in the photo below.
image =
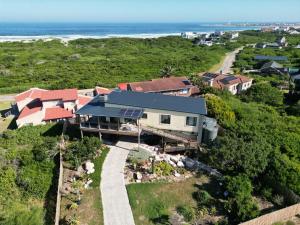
(280, 215)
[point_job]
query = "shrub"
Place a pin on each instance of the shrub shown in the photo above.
(278, 200)
(163, 168)
(203, 197)
(187, 212)
(290, 223)
(240, 204)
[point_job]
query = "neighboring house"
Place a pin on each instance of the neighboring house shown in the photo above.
(179, 86)
(295, 78)
(270, 58)
(282, 41)
(274, 45)
(273, 68)
(38, 106)
(261, 45)
(232, 83)
(298, 46)
(175, 119)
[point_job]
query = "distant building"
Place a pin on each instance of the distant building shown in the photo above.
(206, 42)
(38, 106)
(179, 86)
(234, 35)
(296, 80)
(273, 68)
(232, 83)
(261, 45)
(190, 35)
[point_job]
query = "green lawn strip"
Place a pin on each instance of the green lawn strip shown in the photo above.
(96, 176)
(152, 202)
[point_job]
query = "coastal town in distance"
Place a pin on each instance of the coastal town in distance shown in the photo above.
(134, 118)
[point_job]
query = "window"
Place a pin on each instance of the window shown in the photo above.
(145, 116)
(191, 121)
(165, 119)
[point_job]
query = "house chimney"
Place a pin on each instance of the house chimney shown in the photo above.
(211, 81)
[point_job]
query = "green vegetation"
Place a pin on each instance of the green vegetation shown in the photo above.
(28, 177)
(153, 203)
(90, 210)
(85, 63)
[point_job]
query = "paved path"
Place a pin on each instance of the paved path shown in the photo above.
(116, 208)
(228, 62)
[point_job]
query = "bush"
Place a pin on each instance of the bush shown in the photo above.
(290, 223)
(163, 168)
(187, 212)
(240, 204)
(203, 197)
(218, 109)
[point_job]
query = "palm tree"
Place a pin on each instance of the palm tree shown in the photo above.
(167, 71)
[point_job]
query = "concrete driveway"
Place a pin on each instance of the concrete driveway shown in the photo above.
(116, 207)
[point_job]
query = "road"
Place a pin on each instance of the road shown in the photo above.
(226, 67)
(116, 207)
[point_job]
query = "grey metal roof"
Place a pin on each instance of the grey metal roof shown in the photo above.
(272, 65)
(158, 101)
(96, 107)
(273, 58)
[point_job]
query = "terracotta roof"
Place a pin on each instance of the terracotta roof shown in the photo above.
(65, 95)
(32, 93)
(83, 100)
(122, 86)
(103, 91)
(57, 113)
(30, 109)
(162, 84)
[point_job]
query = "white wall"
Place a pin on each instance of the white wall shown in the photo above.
(50, 104)
(69, 105)
(34, 119)
(22, 104)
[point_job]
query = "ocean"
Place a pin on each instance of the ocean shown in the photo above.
(15, 31)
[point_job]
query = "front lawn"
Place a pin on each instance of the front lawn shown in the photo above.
(152, 203)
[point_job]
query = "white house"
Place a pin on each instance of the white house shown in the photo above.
(38, 106)
(133, 113)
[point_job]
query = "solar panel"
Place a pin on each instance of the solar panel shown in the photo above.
(130, 113)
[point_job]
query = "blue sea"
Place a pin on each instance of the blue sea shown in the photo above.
(106, 30)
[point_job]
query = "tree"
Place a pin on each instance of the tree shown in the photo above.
(217, 108)
(234, 155)
(240, 204)
(167, 71)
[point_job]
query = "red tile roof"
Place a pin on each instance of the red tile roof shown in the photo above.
(103, 91)
(83, 100)
(30, 109)
(161, 85)
(122, 86)
(64, 95)
(57, 113)
(32, 93)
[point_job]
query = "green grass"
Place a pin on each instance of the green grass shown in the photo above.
(96, 176)
(152, 202)
(4, 105)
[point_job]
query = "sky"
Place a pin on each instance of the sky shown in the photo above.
(149, 10)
